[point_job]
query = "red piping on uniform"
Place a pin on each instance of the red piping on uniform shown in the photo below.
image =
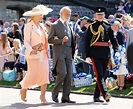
(96, 75)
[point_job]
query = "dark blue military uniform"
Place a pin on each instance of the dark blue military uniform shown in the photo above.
(97, 48)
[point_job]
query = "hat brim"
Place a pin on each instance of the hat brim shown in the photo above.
(81, 19)
(100, 12)
(31, 13)
(84, 18)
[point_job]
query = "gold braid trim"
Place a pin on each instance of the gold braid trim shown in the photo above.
(100, 29)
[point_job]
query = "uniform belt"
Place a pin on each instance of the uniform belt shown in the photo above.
(101, 44)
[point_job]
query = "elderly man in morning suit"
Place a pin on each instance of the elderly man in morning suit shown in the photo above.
(61, 36)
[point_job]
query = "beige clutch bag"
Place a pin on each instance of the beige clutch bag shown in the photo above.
(38, 47)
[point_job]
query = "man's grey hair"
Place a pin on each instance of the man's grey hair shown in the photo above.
(65, 8)
(7, 23)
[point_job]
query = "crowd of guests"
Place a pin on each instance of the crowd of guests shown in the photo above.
(15, 45)
(122, 28)
(124, 5)
(12, 49)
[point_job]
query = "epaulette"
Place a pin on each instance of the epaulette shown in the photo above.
(93, 23)
(106, 22)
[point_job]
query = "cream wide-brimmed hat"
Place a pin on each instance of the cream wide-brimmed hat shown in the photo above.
(38, 10)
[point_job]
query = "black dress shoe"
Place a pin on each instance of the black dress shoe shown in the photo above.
(107, 97)
(98, 100)
(55, 98)
(68, 101)
(108, 100)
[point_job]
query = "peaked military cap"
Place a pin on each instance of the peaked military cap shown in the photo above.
(84, 18)
(100, 10)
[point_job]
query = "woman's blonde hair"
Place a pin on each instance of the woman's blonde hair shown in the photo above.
(29, 19)
(17, 43)
(117, 23)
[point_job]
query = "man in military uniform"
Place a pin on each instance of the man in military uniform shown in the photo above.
(98, 36)
(130, 56)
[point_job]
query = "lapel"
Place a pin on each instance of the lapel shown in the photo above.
(70, 28)
(61, 27)
(35, 28)
(44, 30)
(45, 36)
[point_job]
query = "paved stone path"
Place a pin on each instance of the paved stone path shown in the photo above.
(10, 99)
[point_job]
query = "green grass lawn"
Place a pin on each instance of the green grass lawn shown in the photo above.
(12, 83)
(87, 89)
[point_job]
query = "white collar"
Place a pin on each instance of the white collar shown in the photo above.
(62, 20)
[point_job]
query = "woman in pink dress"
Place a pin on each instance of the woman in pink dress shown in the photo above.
(35, 41)
(5, 49)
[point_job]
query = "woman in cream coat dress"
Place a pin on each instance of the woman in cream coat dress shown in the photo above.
(38, 68)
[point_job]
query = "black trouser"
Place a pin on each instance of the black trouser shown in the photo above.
(9, 65)
(100, 66)
(20, 67)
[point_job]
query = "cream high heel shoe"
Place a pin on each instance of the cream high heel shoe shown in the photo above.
(43, 101)
(23, 94)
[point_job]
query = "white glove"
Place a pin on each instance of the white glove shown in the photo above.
(88, 60)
